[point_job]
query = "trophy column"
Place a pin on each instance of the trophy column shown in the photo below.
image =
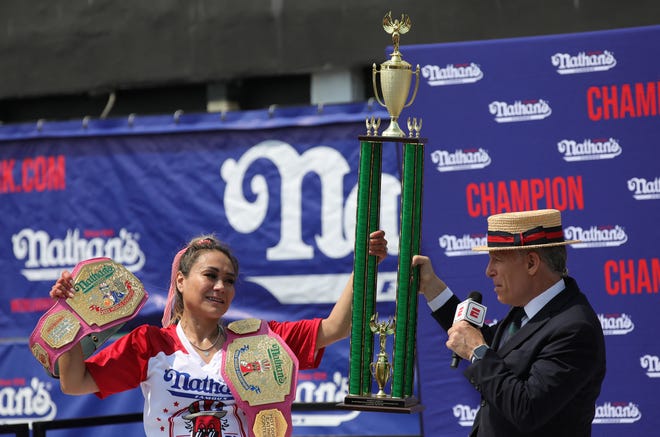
(365, 266)
(407, 278)
(400, 370)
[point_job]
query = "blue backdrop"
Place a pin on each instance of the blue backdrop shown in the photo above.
(569, 122)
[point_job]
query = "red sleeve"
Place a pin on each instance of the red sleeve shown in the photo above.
(301, 337)
(123, 365)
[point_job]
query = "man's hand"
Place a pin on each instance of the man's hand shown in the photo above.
(463, 338)
(430, 285)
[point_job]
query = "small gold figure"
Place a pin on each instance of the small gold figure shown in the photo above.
(381, 369)
(396, 28)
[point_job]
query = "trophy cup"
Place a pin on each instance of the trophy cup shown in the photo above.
(395, 76)
(363, 370)
(381, 369)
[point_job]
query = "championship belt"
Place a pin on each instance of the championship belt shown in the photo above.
(106, 295)
(261, 372)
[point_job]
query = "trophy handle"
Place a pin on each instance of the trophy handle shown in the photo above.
(375, 71)
(412, 99)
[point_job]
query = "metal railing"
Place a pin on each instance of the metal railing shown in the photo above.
(39, 429)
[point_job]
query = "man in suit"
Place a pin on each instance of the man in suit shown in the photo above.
(539, 371)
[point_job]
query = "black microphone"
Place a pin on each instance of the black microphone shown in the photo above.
(472, 311)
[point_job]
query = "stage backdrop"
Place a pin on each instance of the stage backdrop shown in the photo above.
(569, 122)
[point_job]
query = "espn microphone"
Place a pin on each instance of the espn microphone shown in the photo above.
(472, 311)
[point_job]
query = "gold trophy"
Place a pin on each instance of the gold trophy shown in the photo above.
(381, 369)
(395, 76)
(365, 366)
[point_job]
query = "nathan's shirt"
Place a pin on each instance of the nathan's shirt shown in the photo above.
(172, 375)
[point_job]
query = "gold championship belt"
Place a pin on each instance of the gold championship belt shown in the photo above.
(261, 372)
(106, 295)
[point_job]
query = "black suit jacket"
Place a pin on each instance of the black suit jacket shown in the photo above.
(545, 380)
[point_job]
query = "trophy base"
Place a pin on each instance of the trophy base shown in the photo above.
(393, 130)
(407, 405)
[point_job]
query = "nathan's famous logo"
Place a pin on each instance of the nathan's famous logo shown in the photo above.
(271, 175)
(589, 149)
(583, 62)
(275, 364)
(616, 324)
(185, 385)
(643, 189)
(85, 285)
(460, 159)
(452, 74)
(275, 354)
(465, 414)
(23, 402)
(651, 363)
(527, 110)
(617, 412)
(461, 246)
(596, 236)
(45, 256)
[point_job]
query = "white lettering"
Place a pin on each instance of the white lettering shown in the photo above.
(45, 256)
(337, 218)
(28, 402)
(520, 111)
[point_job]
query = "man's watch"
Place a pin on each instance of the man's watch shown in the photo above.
(479, 352)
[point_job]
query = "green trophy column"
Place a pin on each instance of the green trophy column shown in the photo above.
(407, 279)
(365, 267)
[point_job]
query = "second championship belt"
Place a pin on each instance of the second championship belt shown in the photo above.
(261, 371)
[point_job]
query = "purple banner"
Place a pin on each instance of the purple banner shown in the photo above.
(570, 122)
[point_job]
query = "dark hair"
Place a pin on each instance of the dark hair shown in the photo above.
(188, 259)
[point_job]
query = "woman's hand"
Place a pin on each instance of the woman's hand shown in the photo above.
(63, 287)
(378, 245)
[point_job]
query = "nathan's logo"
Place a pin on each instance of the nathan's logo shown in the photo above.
(85, 285)
(616, 324)
(465, 414)
(45, 256)
(528, 110)
(643, 189)
(316, 386)
(617, 412)
(452, 74)
(596, 236)
(249, 198)
(275, 354)
(465, 159)
(184, 385)
(461, 246)
(650, 363)
(583, 62)
(589, 150)
(23, 403)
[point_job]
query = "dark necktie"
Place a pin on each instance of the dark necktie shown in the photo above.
(514, 324)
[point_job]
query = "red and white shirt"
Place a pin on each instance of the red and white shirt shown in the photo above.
(172, 375)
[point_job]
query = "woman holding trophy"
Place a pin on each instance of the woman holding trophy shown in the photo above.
(199, 377)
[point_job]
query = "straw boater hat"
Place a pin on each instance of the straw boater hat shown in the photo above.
(525, 230)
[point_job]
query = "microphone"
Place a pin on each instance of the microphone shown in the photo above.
(472, 311)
